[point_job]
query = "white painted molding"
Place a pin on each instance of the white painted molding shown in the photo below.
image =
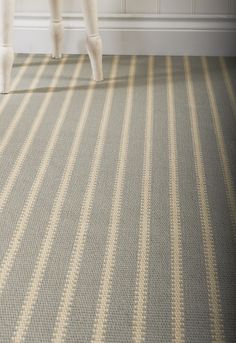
(134, 34)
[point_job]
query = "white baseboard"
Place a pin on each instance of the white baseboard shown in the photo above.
(134, 34)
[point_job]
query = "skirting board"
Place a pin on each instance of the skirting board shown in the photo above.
(193, 35)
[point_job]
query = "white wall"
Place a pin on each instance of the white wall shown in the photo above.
(139, 6)
(194, 27)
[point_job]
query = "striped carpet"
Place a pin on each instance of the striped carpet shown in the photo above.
(117, 201)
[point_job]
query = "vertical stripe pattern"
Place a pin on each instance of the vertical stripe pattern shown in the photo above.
(15, 82)
(77, 253)
(22, 223)
(117, 200)
(44, 254)
(10, 130)
(109, 261)
(175, 222)
(140, 302)
(207, 229)
(228, 84)
(29, 140)
(227, 174)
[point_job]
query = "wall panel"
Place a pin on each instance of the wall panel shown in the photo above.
(176, 6)
(212, 6)
(141, 6)
(232, 9)
(138, 6)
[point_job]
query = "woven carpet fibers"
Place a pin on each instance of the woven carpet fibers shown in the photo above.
(117, 201)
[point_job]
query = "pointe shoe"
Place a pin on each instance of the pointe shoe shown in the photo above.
(94, 47)
(6, 62)
(57, 31)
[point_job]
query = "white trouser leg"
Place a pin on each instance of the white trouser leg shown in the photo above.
(57, 28)
(94, 42)
(6, 49)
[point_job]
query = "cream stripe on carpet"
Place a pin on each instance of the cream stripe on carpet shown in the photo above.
(228, 178)
(9, 132)
(140, 301)
(28, 206)
(76, 255)
(110, 249)
(207, 229)
(15, 82)
(228, 84)
(175, 220)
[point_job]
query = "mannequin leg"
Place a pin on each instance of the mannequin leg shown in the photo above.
(57, 28)
(6, 49)
(94, 42)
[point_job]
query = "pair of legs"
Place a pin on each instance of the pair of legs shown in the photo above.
(94, 44)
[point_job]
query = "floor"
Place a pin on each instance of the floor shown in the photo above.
(118, 201)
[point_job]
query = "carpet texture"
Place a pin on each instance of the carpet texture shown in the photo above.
(117, 201)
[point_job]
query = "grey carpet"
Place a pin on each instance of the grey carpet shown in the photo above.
(117, 201)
